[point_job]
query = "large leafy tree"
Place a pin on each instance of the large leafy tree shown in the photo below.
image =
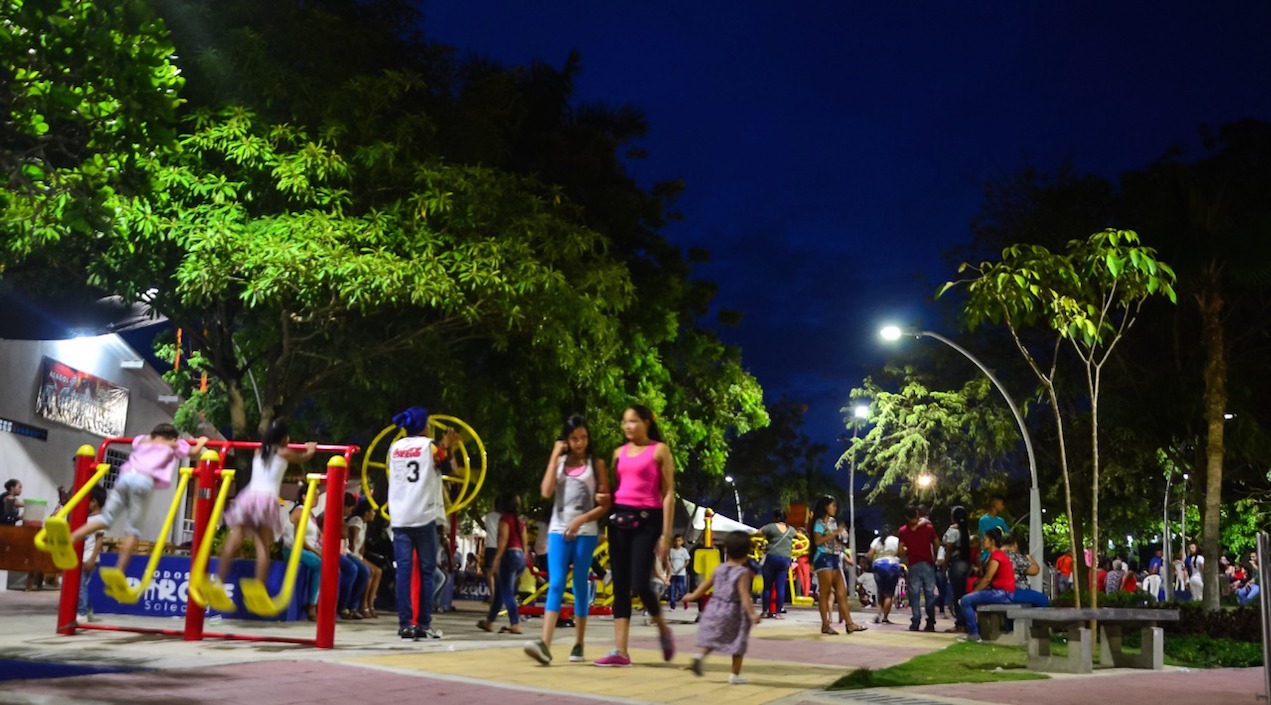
(962, 438)
(87, 90)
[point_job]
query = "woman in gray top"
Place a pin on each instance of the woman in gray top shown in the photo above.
(776, 564)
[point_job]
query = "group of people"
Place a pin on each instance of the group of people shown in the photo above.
(1236, 578)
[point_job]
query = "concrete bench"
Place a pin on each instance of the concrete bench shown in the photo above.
(992, 622)
(1112, 623)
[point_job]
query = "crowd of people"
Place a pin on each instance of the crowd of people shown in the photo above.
(954, 570)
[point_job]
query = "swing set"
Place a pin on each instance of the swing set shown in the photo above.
(202, 592)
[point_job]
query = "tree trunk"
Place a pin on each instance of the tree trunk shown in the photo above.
(1211, 303)
(1073, 534)
(1093, 380)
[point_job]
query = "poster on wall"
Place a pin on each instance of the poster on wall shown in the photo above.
(81, 400)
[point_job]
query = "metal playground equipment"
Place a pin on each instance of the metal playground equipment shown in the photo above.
(464, 481)
(89, 470)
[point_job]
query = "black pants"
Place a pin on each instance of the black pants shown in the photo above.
(958, 573)
(631, 560)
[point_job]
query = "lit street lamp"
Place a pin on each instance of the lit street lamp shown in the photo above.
(894, 333)
(860, 413)
(736, 498)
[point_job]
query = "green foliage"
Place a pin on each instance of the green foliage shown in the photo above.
(775, 465)
(1200, 651)
(962, 437)
(88, 88)
(961, 662)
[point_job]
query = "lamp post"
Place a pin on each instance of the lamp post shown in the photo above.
(1167, 554)
(1182, 519)
(736, 498)
(893, 333)
(859, 414)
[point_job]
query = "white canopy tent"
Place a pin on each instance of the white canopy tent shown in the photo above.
(720, 524)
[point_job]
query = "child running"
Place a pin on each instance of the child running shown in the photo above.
(726, 621)
(155, 457)
(255, 511)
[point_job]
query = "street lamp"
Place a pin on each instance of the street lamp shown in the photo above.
(1167, 554)
(736, 497)
(859, 414)
(894, 333)
(926, 480)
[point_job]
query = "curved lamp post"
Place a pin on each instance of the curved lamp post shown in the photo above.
(894, 333)
(736, 498)
(859, 414)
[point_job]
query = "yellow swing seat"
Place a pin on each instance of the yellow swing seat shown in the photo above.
(114, 580)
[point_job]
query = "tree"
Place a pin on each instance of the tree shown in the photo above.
(961, 437)
(777, 464)
(82, 86)
(1090, 295)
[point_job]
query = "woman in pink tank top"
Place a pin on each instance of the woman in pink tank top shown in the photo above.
(639, 527)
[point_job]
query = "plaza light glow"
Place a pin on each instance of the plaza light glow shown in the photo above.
(891, 333)
(926, 480)
(861, 411)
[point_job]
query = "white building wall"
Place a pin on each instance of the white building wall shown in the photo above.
(42, 466)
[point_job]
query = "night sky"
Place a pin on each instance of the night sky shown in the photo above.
(831, 151)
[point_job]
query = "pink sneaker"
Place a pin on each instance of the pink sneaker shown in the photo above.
(667, 639)
(612, 660)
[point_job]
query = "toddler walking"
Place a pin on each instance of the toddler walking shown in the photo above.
(726, 621)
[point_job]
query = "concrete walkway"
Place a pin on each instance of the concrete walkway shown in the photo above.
(789, 661)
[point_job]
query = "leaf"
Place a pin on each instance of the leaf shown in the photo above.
(1114, 264)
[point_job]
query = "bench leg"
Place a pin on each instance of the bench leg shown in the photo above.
(1152, 656)
(1079, 651)
(1016, 637)
(990, 625)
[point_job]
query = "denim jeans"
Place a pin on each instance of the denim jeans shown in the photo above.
(87, 574)
(991, 596)
(1244, 596)
(776, 570)
(354, 577)
(922, 584)
(886, 575)
(510, 567)
(1030, 597)
(409, 541)
(678, 589)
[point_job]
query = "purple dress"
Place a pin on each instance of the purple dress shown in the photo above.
(725, 627)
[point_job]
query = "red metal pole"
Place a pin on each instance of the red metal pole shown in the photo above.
(208, 472)
(332, 526)
(85, 466)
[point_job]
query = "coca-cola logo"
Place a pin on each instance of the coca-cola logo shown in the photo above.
(408, 452)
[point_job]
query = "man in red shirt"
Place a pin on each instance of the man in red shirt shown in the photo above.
(919, 544)
(994, 587)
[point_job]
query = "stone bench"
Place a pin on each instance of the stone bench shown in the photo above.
(992, 622)
(1112, 622)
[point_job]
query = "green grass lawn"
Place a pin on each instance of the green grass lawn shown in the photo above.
(963, 662)
(960, 662)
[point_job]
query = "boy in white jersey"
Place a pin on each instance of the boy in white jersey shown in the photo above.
(416, 507)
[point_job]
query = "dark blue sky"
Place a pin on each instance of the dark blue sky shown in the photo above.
(831, 150)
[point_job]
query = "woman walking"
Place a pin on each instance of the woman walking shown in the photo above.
(509, 561)
(884, 552)
(827, 563)
(776, 564)
(578, 484)
(957, 551)
(640, 527)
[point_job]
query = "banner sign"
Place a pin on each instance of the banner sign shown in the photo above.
(81, 400)
(168, 594)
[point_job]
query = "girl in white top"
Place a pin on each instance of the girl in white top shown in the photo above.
(255, 511)
(578, 484)
(884, 552)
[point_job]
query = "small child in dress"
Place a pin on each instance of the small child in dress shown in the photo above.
(726, 621)
(255, 511)
(154, 460)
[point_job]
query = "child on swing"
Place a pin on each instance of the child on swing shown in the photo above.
(255, 511)
(727, 618)
(155, 458)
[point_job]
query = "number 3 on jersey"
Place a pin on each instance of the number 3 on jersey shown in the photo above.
(414, 471)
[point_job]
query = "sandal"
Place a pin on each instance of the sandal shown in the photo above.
(854, 627)
(509, 630)
(485, 626)
(827, 629)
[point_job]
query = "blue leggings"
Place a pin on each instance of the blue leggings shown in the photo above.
(560, 554)
(313, 562)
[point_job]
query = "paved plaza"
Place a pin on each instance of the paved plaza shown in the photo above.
(789, 662)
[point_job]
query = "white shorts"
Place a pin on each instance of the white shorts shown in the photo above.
(129, 500)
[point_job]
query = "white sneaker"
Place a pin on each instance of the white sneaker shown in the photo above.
(735, 679)
(428, 634)
(81, 618)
